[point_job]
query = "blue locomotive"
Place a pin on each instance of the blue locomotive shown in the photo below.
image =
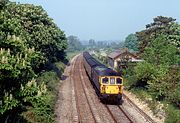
(107, 82)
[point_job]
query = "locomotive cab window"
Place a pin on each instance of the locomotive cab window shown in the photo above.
(112, 81)
(105, 80)
(118, 81)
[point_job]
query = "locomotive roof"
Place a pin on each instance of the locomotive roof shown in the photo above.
(104, 71)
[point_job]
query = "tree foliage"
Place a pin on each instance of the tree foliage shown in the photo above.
(161, 26)
(159, 73)
(41, 32)
(161, 52)
(131, 42)
(28, 39)
(154, 73)
(74, 44)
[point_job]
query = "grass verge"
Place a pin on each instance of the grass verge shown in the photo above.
(70, 55)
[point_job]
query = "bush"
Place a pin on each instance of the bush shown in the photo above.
(173, 93)
(51, 79)
(174, 97)
(173, 115)
(42, 111)
(144, 73)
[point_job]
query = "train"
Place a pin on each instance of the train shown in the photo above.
(107, 82)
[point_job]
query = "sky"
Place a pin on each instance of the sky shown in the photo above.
(106, 19)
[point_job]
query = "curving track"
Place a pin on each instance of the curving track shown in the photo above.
(86, 107)
(82, 103)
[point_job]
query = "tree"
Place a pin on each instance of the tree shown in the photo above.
(74, 44)
(131, 42)
(159, 56)
(158, 74)
(40, 31)
(3, 3)
(161, 25)
(161, 52)
(28, 38)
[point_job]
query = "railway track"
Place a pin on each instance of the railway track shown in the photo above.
(87, 93)
(114, 119)
(126, 114)
(76, 117)
(97, 119)
(84, 108)
(146, 117)
(118, 114)
(97, 107)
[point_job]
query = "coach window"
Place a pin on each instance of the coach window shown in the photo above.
(105, 80)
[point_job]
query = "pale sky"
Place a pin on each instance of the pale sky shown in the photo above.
(106, 19)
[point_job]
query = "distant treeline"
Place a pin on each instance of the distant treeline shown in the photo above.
(74, 44)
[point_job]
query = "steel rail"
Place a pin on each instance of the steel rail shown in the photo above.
(77, 107)
(148, 118)
(125, 113)
(114, 119)
(85, 93)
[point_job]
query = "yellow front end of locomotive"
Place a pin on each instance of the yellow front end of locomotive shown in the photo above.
(111, 85)
(112, 90)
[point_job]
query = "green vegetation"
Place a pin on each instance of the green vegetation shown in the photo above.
(97, 45)
(102, 49)
(173, 115)
(131, 42)
(32, 60)
(74, 44)
(158, 77)
(70, 55)
(74, 47)
(161, 26)
(30, 43)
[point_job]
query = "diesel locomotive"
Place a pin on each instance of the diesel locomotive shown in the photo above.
(108, 83)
